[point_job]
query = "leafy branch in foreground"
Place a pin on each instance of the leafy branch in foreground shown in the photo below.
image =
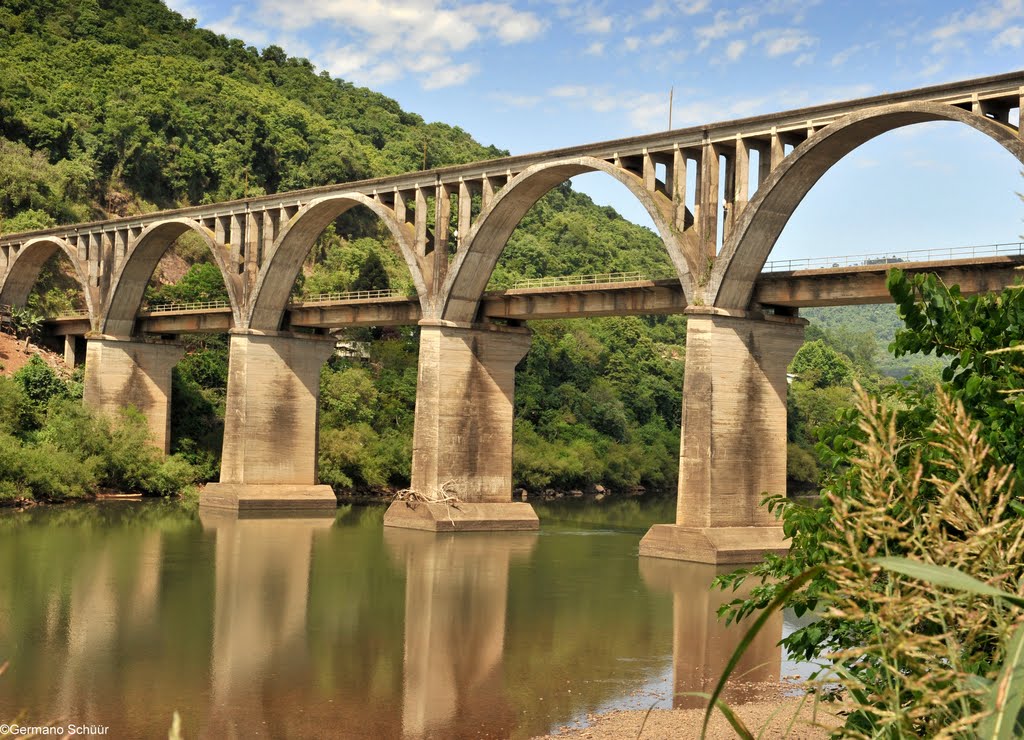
(933, 658)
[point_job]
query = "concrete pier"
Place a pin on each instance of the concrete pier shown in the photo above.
(269, 458)
(733, 447)
(121, 372)
(462, 440)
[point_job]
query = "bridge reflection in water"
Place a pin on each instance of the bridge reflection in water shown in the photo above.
(702, 644)
(456, 595)
(330, 627)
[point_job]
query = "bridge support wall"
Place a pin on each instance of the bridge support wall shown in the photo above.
(271, 434)
(462, 440)
(121, 372)
(733, 447)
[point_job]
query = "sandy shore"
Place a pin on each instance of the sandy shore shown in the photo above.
(772, 715)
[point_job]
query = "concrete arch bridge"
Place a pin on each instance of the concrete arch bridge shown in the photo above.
(451, 225)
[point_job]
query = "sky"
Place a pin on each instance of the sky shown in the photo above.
(532, 75)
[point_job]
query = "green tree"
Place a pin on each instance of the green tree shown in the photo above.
(372, 275)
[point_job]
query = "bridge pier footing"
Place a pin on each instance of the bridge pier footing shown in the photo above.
(462, 439)
(271, 430)
(733, 447)
(122, 372)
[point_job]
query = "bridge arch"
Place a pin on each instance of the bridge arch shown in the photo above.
(758, 228)
(129, 284)
(469, 274)
(279, 272)
(23, 271)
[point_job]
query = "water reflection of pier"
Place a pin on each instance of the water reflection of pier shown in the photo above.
(260, 619)
(456, 596)
(702, 644)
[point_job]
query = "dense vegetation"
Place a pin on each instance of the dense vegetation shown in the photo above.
(53, 449)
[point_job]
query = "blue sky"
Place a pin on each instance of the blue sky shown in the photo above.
(530, 75)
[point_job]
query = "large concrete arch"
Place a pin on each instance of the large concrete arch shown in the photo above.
(472, 268)
(279, 271)
(744, 254)
(24, 269)
(129, 284)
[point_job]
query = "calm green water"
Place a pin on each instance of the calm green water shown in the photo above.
(120, 613)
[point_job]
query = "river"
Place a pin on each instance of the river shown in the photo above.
(118, 613)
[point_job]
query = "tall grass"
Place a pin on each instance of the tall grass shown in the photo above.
(929, 574)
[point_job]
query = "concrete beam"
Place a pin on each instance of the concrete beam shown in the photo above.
(849, 286)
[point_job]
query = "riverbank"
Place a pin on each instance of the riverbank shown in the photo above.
(774, 714)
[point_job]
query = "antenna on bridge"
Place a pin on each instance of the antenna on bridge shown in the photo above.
(671, 93)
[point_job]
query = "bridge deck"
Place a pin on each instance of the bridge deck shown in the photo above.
(838, 286)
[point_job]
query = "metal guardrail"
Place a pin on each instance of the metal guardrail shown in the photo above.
(606, 278)
(352, 295)
(1009, 249)
(76, 314)
(185, 306)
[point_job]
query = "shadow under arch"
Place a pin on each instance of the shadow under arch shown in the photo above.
(23, 272)
(747, 249)
(129, 284)
(469, 274)
(278, 273)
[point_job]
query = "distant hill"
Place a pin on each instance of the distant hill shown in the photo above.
(879, 321)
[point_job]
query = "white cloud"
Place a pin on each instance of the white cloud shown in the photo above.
(187, 9)
(449, 76)
(598, 24)
(654, 11)
(632, 43)
(735, 50)
(842, 57)
(780, 41)
(693, 7)
(596, 49)
(389, 39)
(803, 60)
(234, 27)
(1012, 36)
(724, 25)
(988, 18)
(569, 91)
(660, 39)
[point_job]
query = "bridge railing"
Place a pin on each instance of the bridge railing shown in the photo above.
(1008, 249)
(352, 295)
(180, 307)
(78, 313)
(605, 278)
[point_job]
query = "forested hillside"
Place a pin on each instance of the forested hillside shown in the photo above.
(114, 107)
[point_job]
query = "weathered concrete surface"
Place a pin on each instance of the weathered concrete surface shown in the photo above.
(254, 499)
(120, 373)
(462, 439)
(461, 517)
(733, 447)
(269, 459)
